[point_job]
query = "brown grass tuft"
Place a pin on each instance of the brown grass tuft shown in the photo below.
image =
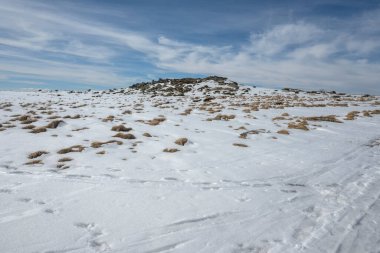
(170, 150)
(186, 112)
(32, 162)
(77, 116)
(54, 124)
(75, 148)
(127, 112)
(181, 141)
(37, 154)
(223, 117)
(38, 130)
(240, 145)
(79, 129)
(98, 144)
(147, 135)
(109, 118)
(125, 136)
(155, 121)
(26, 119)
(245, 134)
(29, 121)
(65, 159)
(366, 114)
(53, 117)
(302, 125)
(329, 118)
(29, 127)
(279, 118)
(283, 131)
(121, 128)
(352, 115)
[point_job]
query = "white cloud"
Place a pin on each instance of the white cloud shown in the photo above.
(298, 54)
(281, 37)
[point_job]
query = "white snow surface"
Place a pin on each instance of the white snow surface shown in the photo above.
(309, 191)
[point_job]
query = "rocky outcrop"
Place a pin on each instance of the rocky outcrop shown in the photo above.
(179, 87)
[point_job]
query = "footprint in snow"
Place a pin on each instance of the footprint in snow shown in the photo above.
(243, 199)
(170, 179)
(20, 172)
(295, 185)
(50, 211)
(25, 200)
(5, 190)
(211, 188)
(288, 191)
(93, 233)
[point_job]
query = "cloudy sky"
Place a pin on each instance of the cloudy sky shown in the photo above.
(323, 44)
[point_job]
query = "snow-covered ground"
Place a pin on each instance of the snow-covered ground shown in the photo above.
(306, 191)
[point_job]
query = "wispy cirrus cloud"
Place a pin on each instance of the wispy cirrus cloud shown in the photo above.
(38, 40)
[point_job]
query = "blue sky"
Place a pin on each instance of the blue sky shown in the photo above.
(55, 44)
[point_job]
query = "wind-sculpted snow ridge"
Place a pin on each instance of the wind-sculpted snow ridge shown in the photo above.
(189, 165)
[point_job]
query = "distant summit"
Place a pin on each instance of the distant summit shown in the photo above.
(179, 87)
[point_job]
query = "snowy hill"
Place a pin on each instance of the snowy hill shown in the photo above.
(189, 165)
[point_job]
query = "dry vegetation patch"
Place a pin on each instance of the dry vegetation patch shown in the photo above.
(125, 136)
(98, 144)
(62, 166)
(283, 131)
(186, 112)
(155, 121)
(170, 150)
(75, 148)
(127, 112)
(329, 118)
(38, 130)
(181, 141)
(121, 128)
(77, 116)
(224, 117)
(53, 117)
(374, 112)
(352, 115)
(240, 145)
(28, 127)
(37, 154)
(245, 134)
(24, 119)
(147, 135)
(302, 125)
(109, 118)
(54, 124)
(80, 129)
(29, 121)
(32, 162)
(65, 159)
